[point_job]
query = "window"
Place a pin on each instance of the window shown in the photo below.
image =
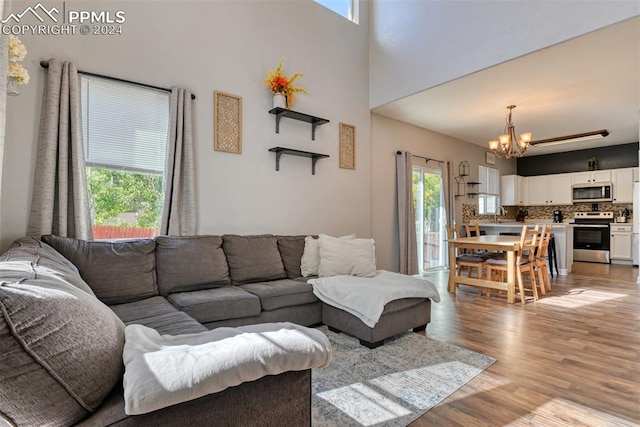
(346, 8)
(489, 197)
(125, 132)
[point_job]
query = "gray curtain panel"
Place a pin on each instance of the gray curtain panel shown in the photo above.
(446, 193)
(445, 170)
(5, 9)
(406, 215)
(179, 210)
(60, 201)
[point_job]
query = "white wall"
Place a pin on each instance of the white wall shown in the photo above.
(228, 46)
(389, 136)
(418, 44)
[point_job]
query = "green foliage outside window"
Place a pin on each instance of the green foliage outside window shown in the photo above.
(431, 198)
(116, 192)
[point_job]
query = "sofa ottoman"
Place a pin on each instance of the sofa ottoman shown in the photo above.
(398, 316)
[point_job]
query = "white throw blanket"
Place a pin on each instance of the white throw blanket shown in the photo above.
(163, 370)
(365, 297)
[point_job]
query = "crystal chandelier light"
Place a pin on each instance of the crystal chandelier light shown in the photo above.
(508, 145)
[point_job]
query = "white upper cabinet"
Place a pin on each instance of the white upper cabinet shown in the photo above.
(549, 189)
(538, 190)
(514, 190)
(591, 177)
(560, 189)
(556, 189)
(622, 181)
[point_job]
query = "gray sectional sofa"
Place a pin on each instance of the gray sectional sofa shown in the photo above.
(217, 281)
(64, 304)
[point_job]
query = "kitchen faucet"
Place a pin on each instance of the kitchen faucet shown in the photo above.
(500, 211)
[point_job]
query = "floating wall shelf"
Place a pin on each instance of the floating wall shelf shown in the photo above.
(280, 112)
(313, 156)
(472, 184)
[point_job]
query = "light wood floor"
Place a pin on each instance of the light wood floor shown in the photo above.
(570, 359)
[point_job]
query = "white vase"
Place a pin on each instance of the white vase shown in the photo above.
(279, 100)
(13, 88)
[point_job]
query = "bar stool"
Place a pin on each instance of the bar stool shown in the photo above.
(553, 259)
(553, 256)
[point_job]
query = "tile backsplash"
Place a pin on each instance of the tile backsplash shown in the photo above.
(469, 211)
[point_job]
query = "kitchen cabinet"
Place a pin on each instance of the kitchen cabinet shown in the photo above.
(591, 177)
(514, 191)
(621, 238)
(538, 190)
(549, 189)
(560, 189)
(622, 180)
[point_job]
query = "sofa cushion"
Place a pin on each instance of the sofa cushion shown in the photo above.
(281, 293)
(291, 249)
(118, 272)
(229, 302)
(253, 258)
(61, 351)
(159, 314)
(31, 254)
(190, 263)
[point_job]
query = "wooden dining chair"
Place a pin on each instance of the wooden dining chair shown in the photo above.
(525, 262)
(540, 263)
(472, 230)
(466, 260)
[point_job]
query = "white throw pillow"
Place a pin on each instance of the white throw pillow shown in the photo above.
(310, 260)
(356, 257)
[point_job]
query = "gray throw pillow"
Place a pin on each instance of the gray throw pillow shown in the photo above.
(29, 253)
(253, 258)
(291, 249)
(61, 352)
(118, 272)
(190, 263)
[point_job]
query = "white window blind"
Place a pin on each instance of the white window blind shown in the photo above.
(124, 125)
(489, 189)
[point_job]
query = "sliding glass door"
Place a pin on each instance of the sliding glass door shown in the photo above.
(428, 201)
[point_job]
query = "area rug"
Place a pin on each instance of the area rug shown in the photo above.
(391, 385)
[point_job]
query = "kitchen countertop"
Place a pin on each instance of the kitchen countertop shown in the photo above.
(520, 224)
(562, 231)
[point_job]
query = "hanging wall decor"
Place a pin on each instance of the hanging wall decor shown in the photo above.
(347, 146)
(16, 74)
(227, 122)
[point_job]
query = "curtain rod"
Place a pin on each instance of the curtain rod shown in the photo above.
(427, 159)
(45, 64)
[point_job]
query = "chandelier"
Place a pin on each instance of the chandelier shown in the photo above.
(508, 146)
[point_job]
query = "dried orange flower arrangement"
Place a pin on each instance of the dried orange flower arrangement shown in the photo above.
(281, 84)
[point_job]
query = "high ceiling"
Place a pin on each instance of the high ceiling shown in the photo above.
(584, 84)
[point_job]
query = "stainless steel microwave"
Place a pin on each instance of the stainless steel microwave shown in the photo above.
(592, 192)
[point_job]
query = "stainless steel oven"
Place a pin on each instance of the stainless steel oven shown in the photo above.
(591, 236)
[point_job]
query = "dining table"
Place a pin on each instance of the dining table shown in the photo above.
(508, 244)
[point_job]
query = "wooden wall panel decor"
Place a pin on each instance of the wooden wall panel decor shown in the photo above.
(227, 122)
(347, 146)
